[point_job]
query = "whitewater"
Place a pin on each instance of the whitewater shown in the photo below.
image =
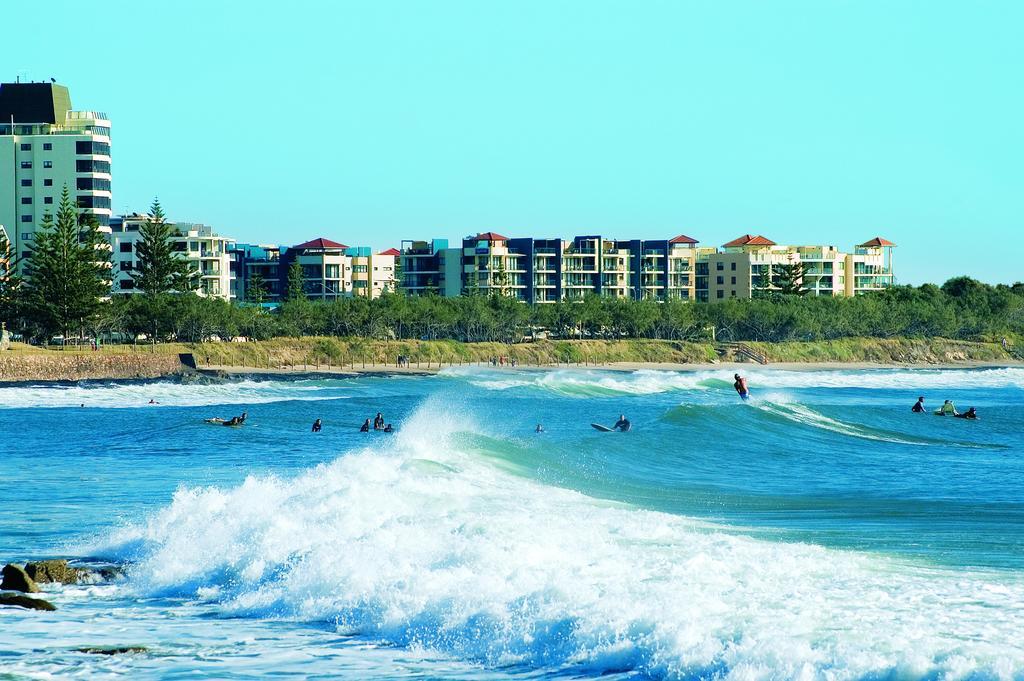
(820, 532)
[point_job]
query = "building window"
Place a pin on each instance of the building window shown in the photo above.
(97, 148)
(47, 164)
(733, 281)
(25, 165)
(732, 266)
(26, 236)
(719, 266)
(719, 280)
(26, 218)
(26, 200)
(47, 199)
(127, 283)
(47, 182)
(732, 293)
(26, 183)
(26, 147)
(90, 166)
(126, 246)
(47, 146)
(126, 265)
(720, 293)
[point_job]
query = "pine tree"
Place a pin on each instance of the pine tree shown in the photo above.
(296, 282)
(160, 270)
(399, 285)
(256, 289)
(67, 273)
(789, 279)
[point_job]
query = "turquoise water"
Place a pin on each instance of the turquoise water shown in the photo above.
(819, 531)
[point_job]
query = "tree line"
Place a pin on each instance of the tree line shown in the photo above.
(65, 289)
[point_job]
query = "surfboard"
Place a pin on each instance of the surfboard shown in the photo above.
(598, 426)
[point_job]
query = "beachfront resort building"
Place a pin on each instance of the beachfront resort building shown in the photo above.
(206, 252)
(430, 267)
(333, 270)
(751, 263)
(256, 273)
(46, 146)
(553, 269)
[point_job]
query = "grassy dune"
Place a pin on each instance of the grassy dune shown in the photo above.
(344, 351)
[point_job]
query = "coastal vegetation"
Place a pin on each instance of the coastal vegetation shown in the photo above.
(961, 309)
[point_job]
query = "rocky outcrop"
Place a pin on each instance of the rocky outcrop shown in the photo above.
(58, 571)
(16, 579)
(113, 650)
(19, 601)
(55, 365)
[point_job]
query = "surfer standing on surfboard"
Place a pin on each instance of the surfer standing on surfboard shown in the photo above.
(741, 387)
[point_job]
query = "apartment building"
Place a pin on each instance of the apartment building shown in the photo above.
(44, 147)
(206, 252)
(490, 266)
(431, 267)
(326, 268)
(372, 273)
(552, 269)
(750, 264)
(251, 263)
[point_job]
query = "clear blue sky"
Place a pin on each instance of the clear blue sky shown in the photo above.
(371, 122)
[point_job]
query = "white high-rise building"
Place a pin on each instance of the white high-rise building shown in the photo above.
(45, 146)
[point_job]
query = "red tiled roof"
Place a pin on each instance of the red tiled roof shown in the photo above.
(490, 236)
(749, 240)
(320, 243)
(391, 251)
(683, 239)
(877, 241)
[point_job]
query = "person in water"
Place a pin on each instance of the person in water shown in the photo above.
(918, 407)
(539, 429)
(741, 387)
(389, 429)
(365, 428)
(947, 409)
(236, 420)
(317, 426)
(971, 413)
(378, 421)
(622, 424)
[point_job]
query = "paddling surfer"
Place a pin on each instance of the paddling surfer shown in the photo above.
(622, 424)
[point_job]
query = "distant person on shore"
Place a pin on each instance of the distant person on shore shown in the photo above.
(971, 413)
(317, 426)
(378, 421)
(365, 428)
(741, 387)
(918, 407)
(947, 409)
(622, 424)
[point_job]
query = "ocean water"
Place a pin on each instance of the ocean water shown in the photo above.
(820, 531)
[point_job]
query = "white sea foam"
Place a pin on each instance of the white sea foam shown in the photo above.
(425, 544)
(584, 383)
(165, 393)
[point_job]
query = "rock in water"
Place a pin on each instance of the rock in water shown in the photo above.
(122, 650)
(44, 571)
(16, 579)
(20, 601)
